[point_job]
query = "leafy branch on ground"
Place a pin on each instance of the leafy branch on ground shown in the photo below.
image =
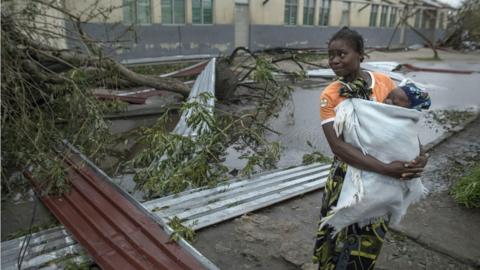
(181, 231)
(171, 163)
(47, 87)
(315, 156)
(466, 190)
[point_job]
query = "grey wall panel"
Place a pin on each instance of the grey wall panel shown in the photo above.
(413, 38)
(156, 40)
(208, 39)
(379, 37)
(272, 36)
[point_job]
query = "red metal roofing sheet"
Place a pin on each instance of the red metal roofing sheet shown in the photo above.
(116, 233)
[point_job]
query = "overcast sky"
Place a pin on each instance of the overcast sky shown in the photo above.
(453, 3)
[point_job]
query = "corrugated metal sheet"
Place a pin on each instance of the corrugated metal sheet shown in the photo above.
(198, 208)
(115, 232)
(205, 83)
(46, 249)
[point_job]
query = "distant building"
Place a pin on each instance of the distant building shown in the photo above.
(185, 27)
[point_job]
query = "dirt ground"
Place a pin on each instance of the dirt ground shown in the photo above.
(282, 236)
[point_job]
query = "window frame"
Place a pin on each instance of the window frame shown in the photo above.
(346, 12)
(393, 17)
(441, 18)
(292, 7)
(134, 8)
(309, 12)
(172, 12)
(418, 18)
(384, 15)
(373, 20)
(202, 13)
(324, 12)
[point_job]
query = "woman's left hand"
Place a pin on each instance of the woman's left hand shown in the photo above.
(419, 162)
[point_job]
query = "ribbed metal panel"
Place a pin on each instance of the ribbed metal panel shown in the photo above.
(205, 83)
(199, 208)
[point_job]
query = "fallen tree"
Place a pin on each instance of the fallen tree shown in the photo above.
(47, 94)
(47, 90)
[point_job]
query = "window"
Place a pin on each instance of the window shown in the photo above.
(290, 12)
(424, 19)
(308, 11)
(418, 18)
(173, 11)
(393, 17)
(136, 12)
(324, 12)
(440, 21)
(345, 19)
(383, 16)
(202, 11)
(373, 16)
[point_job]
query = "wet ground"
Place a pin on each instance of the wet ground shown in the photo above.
(298, 122)
(282, 237)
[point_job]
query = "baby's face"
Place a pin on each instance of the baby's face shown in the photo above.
(398, 97)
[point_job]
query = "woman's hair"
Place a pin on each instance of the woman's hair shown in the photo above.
(353, 38)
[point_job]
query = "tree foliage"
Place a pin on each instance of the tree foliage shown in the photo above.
(465, 24)
(171, 162)
(40, 107)
(47, 97)
(47, 87)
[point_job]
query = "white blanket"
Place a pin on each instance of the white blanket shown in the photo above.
(387, 133)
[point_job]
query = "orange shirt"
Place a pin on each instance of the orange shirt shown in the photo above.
(330, 97)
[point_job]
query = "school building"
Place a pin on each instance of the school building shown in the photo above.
(195, 27)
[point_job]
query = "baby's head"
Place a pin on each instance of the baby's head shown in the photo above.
(409, 96)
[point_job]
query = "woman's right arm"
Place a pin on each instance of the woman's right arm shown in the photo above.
(354, 157)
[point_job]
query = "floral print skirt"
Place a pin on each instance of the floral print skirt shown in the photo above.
(354, 247)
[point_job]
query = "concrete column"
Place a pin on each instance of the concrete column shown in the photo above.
(299, 12)
(188, 12)
(156, 12)
(316, 15)
(402, 26)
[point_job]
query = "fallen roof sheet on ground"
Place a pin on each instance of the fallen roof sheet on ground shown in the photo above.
(198, 208)
(115, 232)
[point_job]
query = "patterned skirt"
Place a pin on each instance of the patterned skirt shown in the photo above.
(352, 248)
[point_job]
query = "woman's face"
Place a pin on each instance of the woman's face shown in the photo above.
(343, 59)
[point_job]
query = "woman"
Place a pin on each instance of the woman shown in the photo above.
(354, 247)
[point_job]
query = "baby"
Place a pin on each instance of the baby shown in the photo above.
(409, 96)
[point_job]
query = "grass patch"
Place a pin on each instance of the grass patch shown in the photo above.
(467, 190)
